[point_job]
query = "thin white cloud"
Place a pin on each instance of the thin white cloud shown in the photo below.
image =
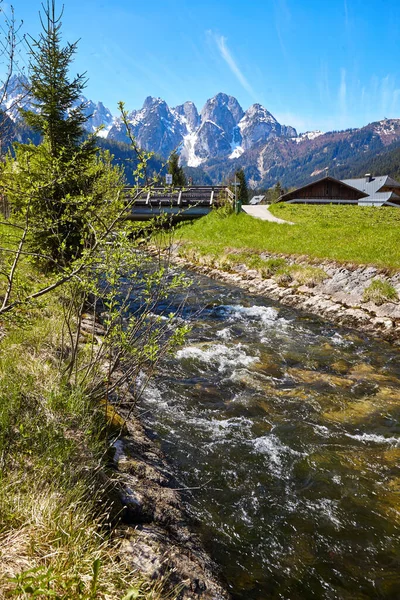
(396, 98)
(354, 102)
(220, 40)
(375, 98)
(323, 83)
(284, 9)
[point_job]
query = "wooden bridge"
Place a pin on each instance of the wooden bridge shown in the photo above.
(179, 204)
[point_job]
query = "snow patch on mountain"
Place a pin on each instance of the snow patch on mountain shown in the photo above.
(16, 96)
(256, 111)
(258, 125)
(236, 144)
(103, 133)
(221, 131)
(236, 151)
(188, 116)
(307, 135)
(386, 127)
(188, 153)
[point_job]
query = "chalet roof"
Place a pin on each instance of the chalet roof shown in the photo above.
(256, 199)
(368, 189)
(381, 197)
(327, 178)
(392, 182)
(372, 187)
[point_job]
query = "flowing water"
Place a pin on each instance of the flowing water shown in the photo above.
(288, 429)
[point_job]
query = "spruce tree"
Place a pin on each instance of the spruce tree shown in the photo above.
(58, 208)
(243, 195)
(279, 190)
(178, 175)
(56, 115)
(276, 192)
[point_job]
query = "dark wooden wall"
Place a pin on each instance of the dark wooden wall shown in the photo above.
(325, 188)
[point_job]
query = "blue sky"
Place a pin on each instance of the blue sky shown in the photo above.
(315, 64)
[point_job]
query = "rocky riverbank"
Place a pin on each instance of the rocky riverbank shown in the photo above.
(156, 537)
(150, 522)
(338, 296)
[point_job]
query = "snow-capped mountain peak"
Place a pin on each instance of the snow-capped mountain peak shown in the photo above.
(258, 125)
(221, 130)
(17, 96)
(188, 115)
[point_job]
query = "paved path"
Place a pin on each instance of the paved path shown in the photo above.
(262, 212)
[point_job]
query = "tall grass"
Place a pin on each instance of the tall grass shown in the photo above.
(55, 535)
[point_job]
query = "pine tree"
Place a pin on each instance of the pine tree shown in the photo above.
(65, 160)
(57, 116)
(178, 175)
(243, 195)
(278, 190)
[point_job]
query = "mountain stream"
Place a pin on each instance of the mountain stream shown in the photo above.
(285, 430)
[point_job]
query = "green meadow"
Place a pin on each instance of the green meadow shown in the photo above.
(364, 235)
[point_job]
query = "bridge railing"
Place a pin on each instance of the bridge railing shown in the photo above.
(181, 196)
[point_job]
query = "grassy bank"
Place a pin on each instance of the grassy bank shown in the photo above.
(341, 233)
(56, 538)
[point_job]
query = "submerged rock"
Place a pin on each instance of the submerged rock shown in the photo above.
(318, 378)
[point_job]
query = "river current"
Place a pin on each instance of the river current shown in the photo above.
(287, 428)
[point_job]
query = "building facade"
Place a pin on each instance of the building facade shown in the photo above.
(364, 191)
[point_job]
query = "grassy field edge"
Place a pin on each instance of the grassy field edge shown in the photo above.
(343, 234)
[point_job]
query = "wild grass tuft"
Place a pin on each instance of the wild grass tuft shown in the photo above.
(278, 268)
(306, 275)
(379, 292)
(272, 266)
(300, 275)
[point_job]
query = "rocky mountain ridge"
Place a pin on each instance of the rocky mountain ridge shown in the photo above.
(221, 129)
(295, 161)
(223, 137)
(18, 96)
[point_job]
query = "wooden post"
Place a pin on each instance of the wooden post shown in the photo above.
(4, 207)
